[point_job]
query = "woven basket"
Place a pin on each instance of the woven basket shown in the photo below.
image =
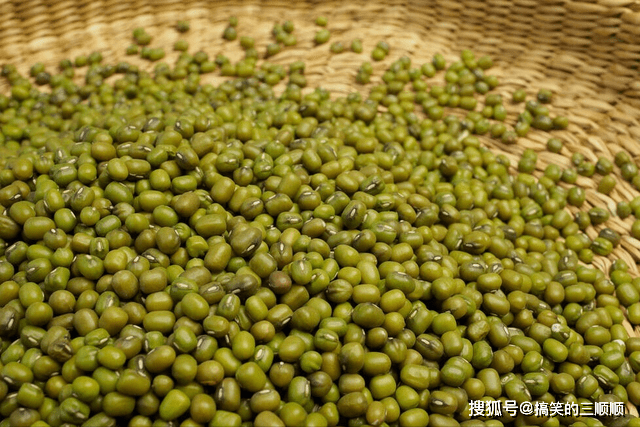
(586, 52)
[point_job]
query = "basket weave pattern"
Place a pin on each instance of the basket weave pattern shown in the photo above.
(586, 52)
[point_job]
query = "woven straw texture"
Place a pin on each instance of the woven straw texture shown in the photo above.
(586, 52)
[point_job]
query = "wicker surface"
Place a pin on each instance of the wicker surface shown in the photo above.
(588, 53)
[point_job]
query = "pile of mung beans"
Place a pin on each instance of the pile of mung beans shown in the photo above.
(182, 254)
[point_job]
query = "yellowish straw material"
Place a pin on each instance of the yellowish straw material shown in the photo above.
(586, 52)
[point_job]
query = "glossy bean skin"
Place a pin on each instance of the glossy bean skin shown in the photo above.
(178, 252)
